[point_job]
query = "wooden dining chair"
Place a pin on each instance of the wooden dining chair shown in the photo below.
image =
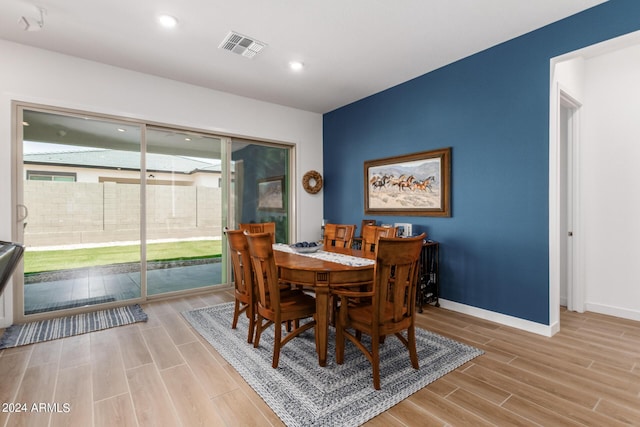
(364, 223)
(371, 234)
(242, 279)
(391, 307)
(260, 227)
(357, 240)
(274, 308)
(339, 235)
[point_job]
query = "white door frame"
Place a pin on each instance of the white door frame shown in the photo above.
(575, 284)
(575, 290)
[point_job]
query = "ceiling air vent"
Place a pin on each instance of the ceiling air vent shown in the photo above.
(242, 45)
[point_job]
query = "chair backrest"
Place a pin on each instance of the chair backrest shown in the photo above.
(395, 278)
(371, 234)
(339, 235)
(265, 270)
(366, 222)
(260, 227)
(241, 262)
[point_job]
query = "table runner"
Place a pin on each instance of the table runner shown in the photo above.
(328, 256)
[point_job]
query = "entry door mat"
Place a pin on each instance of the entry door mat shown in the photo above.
(302, 393)
(47, 330)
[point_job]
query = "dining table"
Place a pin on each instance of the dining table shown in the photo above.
(331, 267)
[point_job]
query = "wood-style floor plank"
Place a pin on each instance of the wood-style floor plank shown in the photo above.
(12, 370)
(37, 387)
(212, 376)
(107, 369)
(164, 352)
(189, 398)
(133, 348)
(115, 411)
(151, 402)
(234, 408)
(163, 372)
(73, 398)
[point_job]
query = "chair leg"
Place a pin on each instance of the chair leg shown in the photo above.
(413, 353)
(252, 324)
(259, 329)
(236, 312)
(277, 339)
(375, 362)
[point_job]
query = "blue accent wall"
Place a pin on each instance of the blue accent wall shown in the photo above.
(492, 109)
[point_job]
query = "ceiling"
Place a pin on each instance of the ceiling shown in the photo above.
(350, 48)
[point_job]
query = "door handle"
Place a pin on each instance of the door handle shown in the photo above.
(25, 212)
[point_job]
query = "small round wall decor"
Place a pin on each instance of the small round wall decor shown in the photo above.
(312, 182)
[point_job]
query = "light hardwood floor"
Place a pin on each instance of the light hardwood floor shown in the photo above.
(162, 373)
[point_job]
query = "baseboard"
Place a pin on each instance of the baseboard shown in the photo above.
(623, 313)
(503, 319)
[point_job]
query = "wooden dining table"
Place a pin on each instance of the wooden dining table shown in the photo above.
(322, 276)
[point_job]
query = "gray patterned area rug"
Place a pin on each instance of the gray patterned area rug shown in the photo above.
(46, 330)
(302, 393)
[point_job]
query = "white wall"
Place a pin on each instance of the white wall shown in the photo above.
(570, 75)
(45, 77)
(610, 182)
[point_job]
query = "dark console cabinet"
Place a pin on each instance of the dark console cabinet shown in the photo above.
(429, 280)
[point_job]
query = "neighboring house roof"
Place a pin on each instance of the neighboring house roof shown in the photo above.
(114, 159)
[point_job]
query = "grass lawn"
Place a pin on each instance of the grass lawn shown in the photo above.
(38, 261)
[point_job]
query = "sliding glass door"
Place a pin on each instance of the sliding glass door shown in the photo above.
(81, 192)
(183, 210)
(114, 210)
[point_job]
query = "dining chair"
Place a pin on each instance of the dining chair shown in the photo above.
(339, 235)
(260, 227)
(357, 240)
(391, 307)
(242, 279)
(272, 307)
(366, 222)
(371, 234)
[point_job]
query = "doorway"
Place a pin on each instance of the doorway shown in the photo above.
(604, 242)
(568, 126)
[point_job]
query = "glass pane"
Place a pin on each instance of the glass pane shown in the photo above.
(260, 185)
(184, 214)
(82, 232)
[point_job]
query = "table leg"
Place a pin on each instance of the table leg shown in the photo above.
(322, 322)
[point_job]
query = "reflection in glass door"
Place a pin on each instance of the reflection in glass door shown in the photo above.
(260, 185)
(183, 210)
(82, 193)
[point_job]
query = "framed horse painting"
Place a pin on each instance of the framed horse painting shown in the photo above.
(271, 194)
(412, 184)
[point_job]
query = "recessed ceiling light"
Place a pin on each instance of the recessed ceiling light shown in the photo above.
(121, 130)
(167, 21)
(296, 65)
